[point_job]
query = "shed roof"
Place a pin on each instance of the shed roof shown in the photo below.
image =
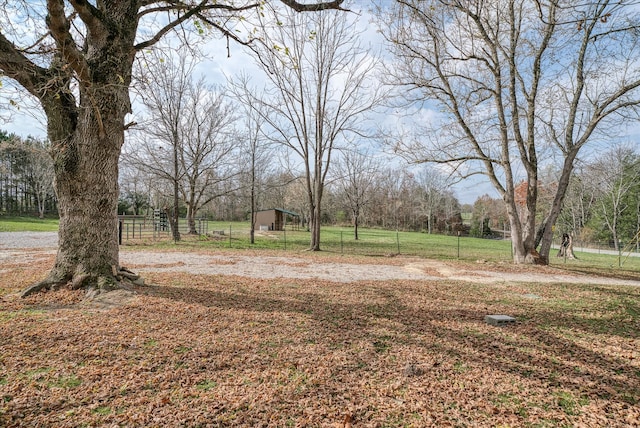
(282, 211)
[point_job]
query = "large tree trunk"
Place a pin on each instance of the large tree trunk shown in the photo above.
(522, 236)
(88, 200)
(86, 183)
(87, 133)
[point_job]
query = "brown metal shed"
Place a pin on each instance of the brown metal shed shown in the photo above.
(275, 219)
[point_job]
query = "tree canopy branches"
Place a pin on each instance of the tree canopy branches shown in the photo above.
(517, 82)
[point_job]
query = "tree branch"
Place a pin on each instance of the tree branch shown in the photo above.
(179, 6)
(313, 7)
(170, 26)
(17, 66)
(59, 27)
(89, 14)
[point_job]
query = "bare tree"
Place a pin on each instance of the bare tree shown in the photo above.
(318, 90)
(188, 138)
(396, 197)
(76, 60)
(517, 81)
(357, 178)
(40, 174)
(433, 185)
(451, 211)
(257, 155)
(615, 175)
(26, 174)
(136, 186)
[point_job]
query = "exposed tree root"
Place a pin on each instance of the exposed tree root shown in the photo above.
(122, 278)
(47, 284)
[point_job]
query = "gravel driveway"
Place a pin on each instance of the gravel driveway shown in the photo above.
(25, 246)
(12, 240)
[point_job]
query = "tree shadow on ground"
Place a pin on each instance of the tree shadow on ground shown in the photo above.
(552, 349)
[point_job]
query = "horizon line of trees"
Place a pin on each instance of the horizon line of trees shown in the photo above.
(26, 176)
(602, 206)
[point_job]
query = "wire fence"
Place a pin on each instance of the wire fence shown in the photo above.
(134, 230)
(140, 230)
(370, 242)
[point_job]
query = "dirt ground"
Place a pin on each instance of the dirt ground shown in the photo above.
(274, 339)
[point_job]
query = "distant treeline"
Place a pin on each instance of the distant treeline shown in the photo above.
(26, 176)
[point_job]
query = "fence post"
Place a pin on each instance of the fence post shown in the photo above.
(229, 236)
(285, 238)
(120, 232)
(458, 244)
(398, 240)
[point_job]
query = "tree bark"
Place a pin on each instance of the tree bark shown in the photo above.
(252, 197)
(86, 183)
(191, 220)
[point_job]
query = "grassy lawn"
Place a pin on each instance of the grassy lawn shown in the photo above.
(28, 224)
(197, 350)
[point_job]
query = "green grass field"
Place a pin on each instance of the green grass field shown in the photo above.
(28, 224)
(340, 240)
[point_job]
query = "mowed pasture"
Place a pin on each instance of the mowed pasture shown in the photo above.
(225, 350)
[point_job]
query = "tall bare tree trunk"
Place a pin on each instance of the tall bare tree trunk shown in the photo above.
(252, 232)
(314, 227)
(356, 217)
(191, 220)
(175, 215)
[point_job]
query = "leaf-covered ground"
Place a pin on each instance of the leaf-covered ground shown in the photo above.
(198, 350)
